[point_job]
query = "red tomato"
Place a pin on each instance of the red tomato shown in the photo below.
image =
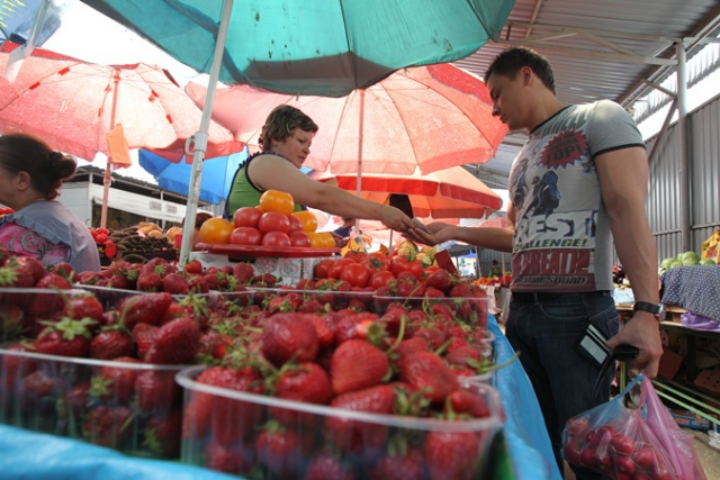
(103, 231)
(247, 217)
(376, 262)
(101, 238)
(296, 224)
(356, 275)
(338, 266)
(275, 239)
(274, 222)
(380, 279)
(299, 239)
(322, 269)
(245, 236)
(400, 264)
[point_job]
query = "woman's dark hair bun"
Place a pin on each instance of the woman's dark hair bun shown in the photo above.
(63, 165)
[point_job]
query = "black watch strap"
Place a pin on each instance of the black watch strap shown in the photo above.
(654, 308)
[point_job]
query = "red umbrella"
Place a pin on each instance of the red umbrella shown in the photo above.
(73, 106)
(434, 117)
(450, 193)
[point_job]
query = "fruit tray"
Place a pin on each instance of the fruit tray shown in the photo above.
(131, 407)
(336, 299)
(263, 251)
(21, 308)
(263, 437)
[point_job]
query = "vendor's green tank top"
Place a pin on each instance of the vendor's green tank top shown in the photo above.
(243, 192)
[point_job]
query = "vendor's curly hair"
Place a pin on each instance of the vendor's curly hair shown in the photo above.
(47, 168)
(281, 121)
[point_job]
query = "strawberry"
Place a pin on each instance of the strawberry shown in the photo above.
(108, 426)
(264, 280)
(111, 344)
(175, 284)
(357, 437)
(116, 384)
(231, 420)
(411, 345)
(53, 281)
(15, 367)
(460, 356)
(82, 306)
(174, 310)
(305, 284)
(307, 383)
(119, 281)
(451, 455)
(408, 466)
(89, 278)
(39, 385)
(76, 400)
(464, 402)
(175, 343)
(357, 364)
(149, 282)
(286, 336)
(163, 433)
(11, 321)
(243, 272)
(426, 370)
(461, 290)
(310, 305)
(195, 267)
(68, 338)
(144, 336)
(325, 333)
(157, 266)
(433, 336)
(327, 467)
(144, 309)
(281, 450)
(65, 270)
(30, 265)
(197, 284)
(156, 390)
(234, 460)
(440, 280)
(11, 277)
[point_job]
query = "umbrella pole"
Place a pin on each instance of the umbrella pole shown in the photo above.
(361, 127)
(201, 137)
(108, 167)
(390, 247)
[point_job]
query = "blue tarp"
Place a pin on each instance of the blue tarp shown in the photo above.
(27, 455)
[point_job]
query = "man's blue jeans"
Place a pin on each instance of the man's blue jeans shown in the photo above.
(546, 334)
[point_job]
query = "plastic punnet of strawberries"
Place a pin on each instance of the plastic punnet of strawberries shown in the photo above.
(314, 392)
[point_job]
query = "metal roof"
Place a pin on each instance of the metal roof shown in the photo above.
(603, 49)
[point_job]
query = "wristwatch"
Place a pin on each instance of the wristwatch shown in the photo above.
(657, 309)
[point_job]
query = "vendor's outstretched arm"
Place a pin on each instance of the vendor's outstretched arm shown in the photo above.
(276, 173)
(623, 176)
(499, 239)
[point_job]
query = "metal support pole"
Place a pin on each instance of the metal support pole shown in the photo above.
(684, 203)
(361, 127)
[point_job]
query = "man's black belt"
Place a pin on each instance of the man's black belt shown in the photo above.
(538, 297)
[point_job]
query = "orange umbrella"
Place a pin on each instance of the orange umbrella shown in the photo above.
(450, 193)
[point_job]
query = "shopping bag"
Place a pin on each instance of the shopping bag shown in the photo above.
(625, 444)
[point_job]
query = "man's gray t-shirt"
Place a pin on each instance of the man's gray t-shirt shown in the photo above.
(562, 237)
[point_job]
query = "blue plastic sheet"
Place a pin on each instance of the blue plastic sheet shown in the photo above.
(26, 455)
(525, 433)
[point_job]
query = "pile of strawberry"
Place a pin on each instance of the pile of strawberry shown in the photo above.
(159, 275)
(131, 401)
(404, 361)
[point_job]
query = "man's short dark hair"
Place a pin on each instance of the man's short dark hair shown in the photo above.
(509, 63)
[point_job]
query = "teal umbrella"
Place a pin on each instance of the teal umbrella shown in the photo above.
(313, 47)
(320, 47)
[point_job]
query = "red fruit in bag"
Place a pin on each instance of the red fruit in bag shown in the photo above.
(602, 460)
(572, 451)
(586, 457)
(622, 444)
(576, 426)
(624, 464)
(644, 458)
(660, 472)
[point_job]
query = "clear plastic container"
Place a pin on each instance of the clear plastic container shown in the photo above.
(470, 311)
(337, 300)
(111, 297)
(266, 437)
(21, 308)
(131, 407)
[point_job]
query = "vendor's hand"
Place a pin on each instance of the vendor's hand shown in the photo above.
(643, 332)
(395, 219)
(437, 232)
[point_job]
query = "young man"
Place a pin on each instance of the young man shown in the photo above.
(579, 183)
